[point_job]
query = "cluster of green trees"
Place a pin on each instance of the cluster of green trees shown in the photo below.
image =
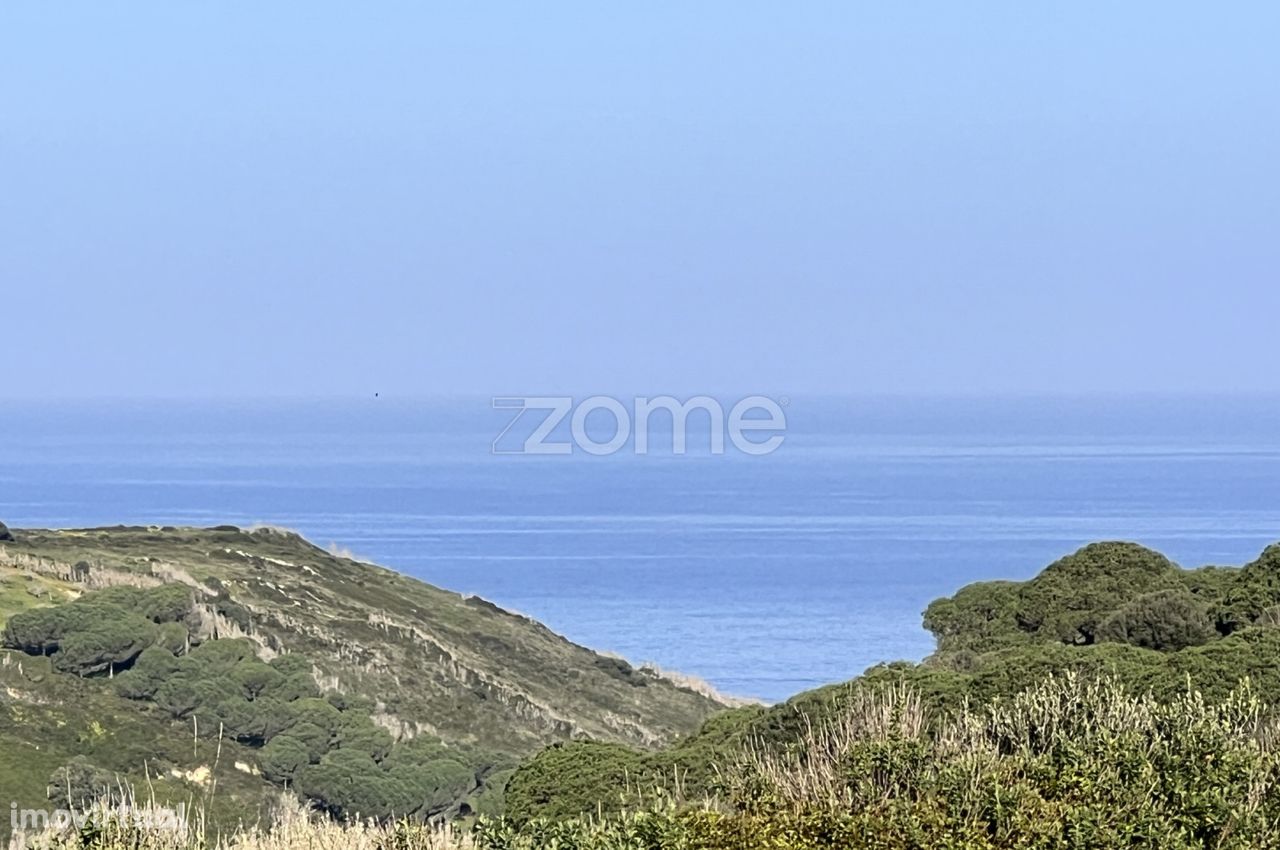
(104, 631)
(326, 747)
(1110, 592)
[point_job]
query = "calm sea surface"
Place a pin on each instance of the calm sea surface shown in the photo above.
(765, 576)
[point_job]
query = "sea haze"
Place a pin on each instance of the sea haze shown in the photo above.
(763, 575)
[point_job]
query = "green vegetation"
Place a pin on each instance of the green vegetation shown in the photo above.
(1113, 610)
(101, 632)
(55, 726)
(1079, 599)
(1114, 700)
(1070, 764)
(457, 667)
(328, 750)
(219, 664)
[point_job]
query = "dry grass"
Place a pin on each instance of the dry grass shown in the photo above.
(1068, 710)
(812, 773)
(294, 828)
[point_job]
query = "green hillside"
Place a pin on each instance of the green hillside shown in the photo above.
(232, 665)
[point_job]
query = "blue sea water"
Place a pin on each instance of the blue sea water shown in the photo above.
(763, 575)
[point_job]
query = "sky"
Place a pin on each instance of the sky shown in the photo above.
(312, 198)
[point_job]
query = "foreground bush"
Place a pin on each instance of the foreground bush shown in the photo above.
(1071, 763)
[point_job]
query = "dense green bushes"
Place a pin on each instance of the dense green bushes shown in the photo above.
(1096, 706)
(1045, 762)
(1115, 610)
(1163, 620)
(1067, 603)
(568, 779)
(103, 631)
(326, 747)
(1070, 763)
(1108, 591)
(79, 783)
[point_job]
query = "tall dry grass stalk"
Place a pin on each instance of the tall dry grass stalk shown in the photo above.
(813, 773)
(1067, 711)
(116, 820)
(293, 828)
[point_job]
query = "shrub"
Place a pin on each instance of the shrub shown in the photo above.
(980, 616)
(177, 697)
(173, 637)
(255, 679)
(153, 667)
(1070, 598)
(168, 603)
(106, 646)
(281, 758)
(1070, 763)
(102, 631)
(291, 664)
(222, 655)
(311, 736)
(296, 686)
(1167, 620)
(432, 787)
(317, 712)
(569, 779)
(36, 632)
(80, 782)
(358, 733)
(225, 689)
(1256, 587)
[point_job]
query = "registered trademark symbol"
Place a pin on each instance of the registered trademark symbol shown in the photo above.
(785, 401)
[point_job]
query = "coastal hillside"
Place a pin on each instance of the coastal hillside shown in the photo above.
(1111, 610)
(161, 651)
(1148, 719)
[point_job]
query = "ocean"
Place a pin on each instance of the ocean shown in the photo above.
(763, 575)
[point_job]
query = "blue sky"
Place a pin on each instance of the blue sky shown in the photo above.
(257, 199)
